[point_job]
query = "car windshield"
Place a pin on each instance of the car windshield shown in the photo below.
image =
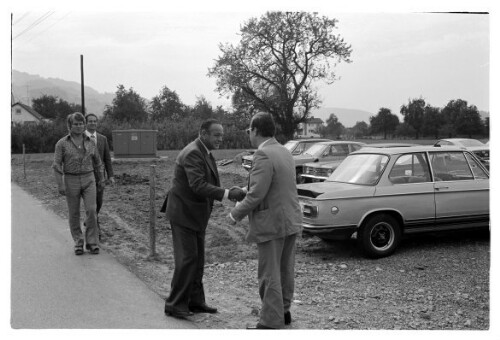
(471, 142)
(290, 145)
(316, 149)
(363, 169)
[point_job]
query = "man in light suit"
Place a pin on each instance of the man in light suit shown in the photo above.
(188, 206)
(103, 149)
(273, 209)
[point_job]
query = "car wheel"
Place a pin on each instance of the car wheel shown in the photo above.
(379, 236)
(298, 176)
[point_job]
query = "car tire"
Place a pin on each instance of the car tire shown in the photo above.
(379, 236)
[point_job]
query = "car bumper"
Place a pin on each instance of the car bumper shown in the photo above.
(330, 231)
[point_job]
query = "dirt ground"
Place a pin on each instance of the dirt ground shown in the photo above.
(433, 282)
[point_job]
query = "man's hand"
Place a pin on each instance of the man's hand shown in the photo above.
(230, 220)
(236, 194)
(62, 191)
(112, 180)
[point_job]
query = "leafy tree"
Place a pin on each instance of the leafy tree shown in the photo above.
(53, 107)
(384, 121)
(469, 122)
(404, 130)
(202, 109)
(360, 129)
(433, 121)
(333, 127)
(126, 106)
(413, 114)
(274, 67)
(167, 105)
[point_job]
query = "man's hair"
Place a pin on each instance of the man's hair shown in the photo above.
(264, 123)
(205, 126)
(89, 115)
(75, 116)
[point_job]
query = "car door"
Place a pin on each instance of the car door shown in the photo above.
(410, 191)
(461, 188)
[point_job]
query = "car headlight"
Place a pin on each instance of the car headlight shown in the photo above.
(334, 210)
(310, 211)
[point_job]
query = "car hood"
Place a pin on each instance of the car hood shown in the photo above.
(326, 165)
(301, 159)
(335, 190)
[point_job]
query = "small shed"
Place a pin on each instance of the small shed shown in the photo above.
(134, 143)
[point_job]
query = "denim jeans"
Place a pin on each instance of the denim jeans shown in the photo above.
(77, 187)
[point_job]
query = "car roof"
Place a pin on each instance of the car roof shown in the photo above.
(408, 149)
(310, 140)
(389, 145)
(341, 142)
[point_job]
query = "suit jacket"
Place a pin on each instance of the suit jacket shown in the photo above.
(103, 149)
(195, 186)
(272, 203)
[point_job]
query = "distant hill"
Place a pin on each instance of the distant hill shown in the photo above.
(26, 87)
(348, 117)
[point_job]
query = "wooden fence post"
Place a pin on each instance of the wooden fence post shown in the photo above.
(152, 212)
(24, 161)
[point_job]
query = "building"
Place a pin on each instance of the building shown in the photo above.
(310, 129)
(22, 113)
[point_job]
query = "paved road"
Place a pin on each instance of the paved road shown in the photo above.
(53, 288)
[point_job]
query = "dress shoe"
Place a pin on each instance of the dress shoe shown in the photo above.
(288, 318)
(179, 314)
(203, 309)
(259, 326)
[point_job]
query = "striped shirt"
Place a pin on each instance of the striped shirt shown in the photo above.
(73, 160)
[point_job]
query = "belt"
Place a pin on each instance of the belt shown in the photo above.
(80, 174)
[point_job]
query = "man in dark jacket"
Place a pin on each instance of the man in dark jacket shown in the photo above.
(103, 150)
(189, 204)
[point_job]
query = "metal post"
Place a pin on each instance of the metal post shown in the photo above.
(152, 212)
(83, 92)
(24, 161)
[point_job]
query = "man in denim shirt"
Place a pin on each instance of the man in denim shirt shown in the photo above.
(75, 159)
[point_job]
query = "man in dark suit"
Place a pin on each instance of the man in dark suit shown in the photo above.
(189, 204)
(103, 149)
(273, 209)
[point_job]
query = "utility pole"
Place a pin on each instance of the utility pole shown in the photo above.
(83, 92)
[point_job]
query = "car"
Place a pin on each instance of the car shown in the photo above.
(319, 171)
(295, 146)
(334, 151)
(481, 150)
(377, 195)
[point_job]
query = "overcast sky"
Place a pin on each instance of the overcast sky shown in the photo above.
(396, 56)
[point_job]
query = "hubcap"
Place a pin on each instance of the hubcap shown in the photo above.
(382, 236)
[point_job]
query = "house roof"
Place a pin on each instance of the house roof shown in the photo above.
(30, 110)
(313, 120)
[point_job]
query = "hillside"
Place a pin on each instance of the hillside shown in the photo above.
(26, 86)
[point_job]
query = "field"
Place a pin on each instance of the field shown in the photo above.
(436, 281)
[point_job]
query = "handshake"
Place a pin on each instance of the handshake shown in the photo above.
(236, 194)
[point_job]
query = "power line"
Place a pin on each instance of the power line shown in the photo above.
(35, 23)
(48, 27)
(21, 18)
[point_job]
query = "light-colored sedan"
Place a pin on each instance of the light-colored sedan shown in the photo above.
(295, 146)
(381, 194)
(481, 150)
(319, 171)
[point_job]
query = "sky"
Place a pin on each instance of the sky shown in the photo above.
(397, 56)
(400, 52)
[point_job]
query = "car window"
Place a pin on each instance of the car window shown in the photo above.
(339, 150)
(363, 169)
(410, 168)
(355, 147)
(450, 166)
(478, 172)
